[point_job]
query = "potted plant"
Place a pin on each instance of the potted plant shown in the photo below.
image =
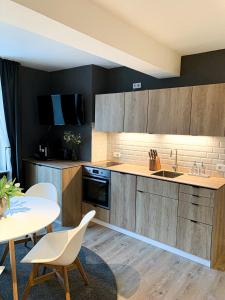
(73, 141)
(8, 189)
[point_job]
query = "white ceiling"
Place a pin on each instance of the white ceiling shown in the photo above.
(187, 26)
(39, 52)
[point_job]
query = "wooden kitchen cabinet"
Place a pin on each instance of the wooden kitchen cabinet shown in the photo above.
(194, 237)
(136, 114)
(169, 111)
(68, 182)
(123, 200)
(159, 187)
(109, 112)
(208, 110)
(195, 212)
(156, 217)
(101, 213)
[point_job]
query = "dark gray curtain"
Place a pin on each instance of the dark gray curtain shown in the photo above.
(9, 74)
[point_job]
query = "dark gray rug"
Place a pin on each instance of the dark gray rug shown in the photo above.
(102, 283)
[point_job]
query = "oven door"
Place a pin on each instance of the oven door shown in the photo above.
(96, 191)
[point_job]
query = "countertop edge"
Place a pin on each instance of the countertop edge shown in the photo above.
(140, 171)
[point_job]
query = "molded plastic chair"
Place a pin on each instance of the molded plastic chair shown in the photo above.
(1, 270)
(58, 251)
(44, 190)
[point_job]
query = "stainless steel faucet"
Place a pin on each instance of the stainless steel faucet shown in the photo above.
(175, 165)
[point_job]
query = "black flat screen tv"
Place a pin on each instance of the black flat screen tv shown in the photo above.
(61, 109)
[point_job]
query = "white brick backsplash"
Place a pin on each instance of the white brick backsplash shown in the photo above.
(134, 149)
(213, 155)
(219, 150)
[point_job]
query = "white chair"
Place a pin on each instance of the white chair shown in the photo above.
(57, 251)
(1, 270)
(44, 190)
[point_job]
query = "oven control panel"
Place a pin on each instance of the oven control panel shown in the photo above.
(96, 172)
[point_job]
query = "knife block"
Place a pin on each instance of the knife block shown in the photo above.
(154, 164)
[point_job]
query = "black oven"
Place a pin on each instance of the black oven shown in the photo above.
(96, 186)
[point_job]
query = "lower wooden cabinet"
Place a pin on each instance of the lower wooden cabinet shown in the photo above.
(194, 237)
(68, 182)
(123, 194)
(101, 213)
(156, 217)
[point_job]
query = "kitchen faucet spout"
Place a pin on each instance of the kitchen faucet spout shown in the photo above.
(175, 165)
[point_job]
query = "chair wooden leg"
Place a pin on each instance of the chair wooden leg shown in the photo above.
(35, 239)
(49, 228)
(66, 283)
(81, 270)
(30, 281)
(5, 253)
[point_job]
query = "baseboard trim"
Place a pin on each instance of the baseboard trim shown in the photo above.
(142, 238)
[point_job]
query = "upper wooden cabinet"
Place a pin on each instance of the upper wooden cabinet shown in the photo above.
(169, 111)
(197, 110)
(208, 110)
(135, 118)
(109, 112)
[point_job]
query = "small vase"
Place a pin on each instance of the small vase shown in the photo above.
(3, 206)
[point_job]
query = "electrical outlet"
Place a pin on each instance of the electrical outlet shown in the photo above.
(220, 167)
(136, 85)
(116, 154)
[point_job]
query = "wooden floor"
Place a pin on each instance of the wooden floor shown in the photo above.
(144, 272)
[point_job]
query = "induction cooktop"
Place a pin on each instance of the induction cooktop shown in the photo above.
(107, 164)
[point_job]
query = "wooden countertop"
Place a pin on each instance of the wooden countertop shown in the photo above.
(57, 164)
(211, 182)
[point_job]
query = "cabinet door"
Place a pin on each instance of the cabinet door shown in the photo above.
(208, 110)
(123, 194)
(169, 111)
(136, 104)
(156, 217)
(52, 175)
(194, 237)
(109, 112)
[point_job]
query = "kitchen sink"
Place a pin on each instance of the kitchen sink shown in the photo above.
(169, 174)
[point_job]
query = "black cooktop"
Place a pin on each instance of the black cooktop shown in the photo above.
(107, 164)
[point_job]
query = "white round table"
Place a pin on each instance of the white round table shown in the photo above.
(26, 215)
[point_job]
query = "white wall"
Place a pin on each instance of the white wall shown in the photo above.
(134, 149)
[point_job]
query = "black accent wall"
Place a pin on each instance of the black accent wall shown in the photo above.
(89, 80)
(32, 83)
(203, 68)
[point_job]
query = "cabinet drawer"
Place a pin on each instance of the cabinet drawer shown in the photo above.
(197, 191)
(158, 187)
(195, 212)
(194, 237)
(196, 199)
(101, 213)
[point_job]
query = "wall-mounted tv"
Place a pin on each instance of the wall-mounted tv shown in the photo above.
(61, 109)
